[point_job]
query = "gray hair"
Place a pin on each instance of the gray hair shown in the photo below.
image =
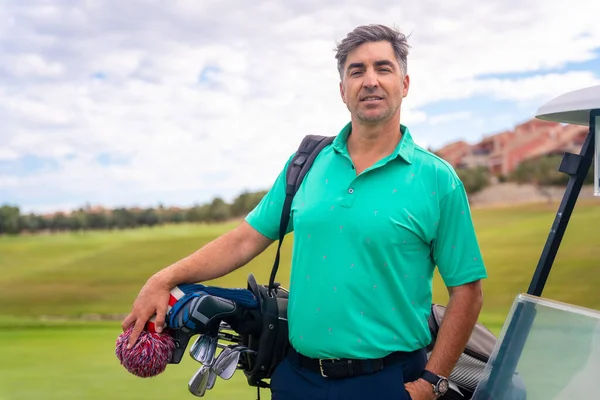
(373, 33)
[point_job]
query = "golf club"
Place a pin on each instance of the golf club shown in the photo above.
(199, 382)
(212, 378)
(228, 360)
(204, 348)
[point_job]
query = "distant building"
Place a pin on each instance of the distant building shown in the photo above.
(501, 153)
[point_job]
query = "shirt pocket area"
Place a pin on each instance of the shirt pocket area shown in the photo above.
(408, 234)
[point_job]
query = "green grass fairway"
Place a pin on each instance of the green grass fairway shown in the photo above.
(512, 240)
(67, 276)
(77, 361)
(102, 272)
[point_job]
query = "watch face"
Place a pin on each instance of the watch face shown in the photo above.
(443, 386)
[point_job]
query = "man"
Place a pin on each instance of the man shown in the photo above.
(373, 218)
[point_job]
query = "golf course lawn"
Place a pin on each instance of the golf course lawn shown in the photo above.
(77, 361)
(55, 288)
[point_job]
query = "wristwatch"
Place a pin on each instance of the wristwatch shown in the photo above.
(439, 383)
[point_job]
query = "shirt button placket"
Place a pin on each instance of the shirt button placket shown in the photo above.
(348, 200)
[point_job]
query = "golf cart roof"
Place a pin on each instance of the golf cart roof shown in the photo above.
(572, 107)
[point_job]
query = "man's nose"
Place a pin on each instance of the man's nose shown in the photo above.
(370, 79)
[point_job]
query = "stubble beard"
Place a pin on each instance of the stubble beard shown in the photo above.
(382, 115)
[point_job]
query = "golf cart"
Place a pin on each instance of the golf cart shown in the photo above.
(552, 346)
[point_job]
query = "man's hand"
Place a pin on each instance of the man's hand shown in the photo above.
(420, 390)
(152, 299)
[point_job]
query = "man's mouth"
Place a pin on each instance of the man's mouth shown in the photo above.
(372, 98)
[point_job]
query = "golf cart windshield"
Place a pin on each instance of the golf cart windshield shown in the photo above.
(560, 357)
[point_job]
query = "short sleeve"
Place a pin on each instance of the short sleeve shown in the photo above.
(456, 249)
(266, 216)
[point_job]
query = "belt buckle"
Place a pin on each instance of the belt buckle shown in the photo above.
(321, 365)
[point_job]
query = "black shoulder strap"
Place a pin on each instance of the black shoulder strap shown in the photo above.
(307, 152)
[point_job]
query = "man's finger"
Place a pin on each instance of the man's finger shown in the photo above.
(127, 321)
(135, 333)
(159, 322)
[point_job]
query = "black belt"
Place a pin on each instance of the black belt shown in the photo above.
(344, 367)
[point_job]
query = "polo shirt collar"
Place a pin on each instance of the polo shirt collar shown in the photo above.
(405, 149)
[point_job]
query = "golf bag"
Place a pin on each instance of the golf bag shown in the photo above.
(272, 343)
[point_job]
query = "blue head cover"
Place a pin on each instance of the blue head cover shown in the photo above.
(242, 297)
(184, 313)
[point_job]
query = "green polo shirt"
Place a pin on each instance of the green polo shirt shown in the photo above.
(365, 248)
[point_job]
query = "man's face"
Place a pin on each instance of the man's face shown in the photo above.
(373, 86)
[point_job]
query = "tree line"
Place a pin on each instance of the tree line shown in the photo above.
(542, 172)
(13, 221)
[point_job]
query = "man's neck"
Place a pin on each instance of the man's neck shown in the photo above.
(376, 140)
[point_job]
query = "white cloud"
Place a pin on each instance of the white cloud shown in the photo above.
(540, 87)
(123, 78)
(34, 65)
(7, 154)
(443, 118)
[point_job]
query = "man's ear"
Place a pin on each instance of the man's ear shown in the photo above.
(342, 93)
(405, 85)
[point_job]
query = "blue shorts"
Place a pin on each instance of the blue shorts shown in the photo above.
(290, 381)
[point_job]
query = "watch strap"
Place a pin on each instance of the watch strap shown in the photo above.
(439, 383)
(430, 377)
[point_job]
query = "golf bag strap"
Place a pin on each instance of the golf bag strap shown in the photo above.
(307, 152)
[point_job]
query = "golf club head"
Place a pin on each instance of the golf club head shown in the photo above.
(212, 378)
(227, 364)
(198, 348)
(199, 382)
(222, 360)
(226, 350)
(204, 348)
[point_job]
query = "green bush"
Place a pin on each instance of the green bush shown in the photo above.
(474, 179)
(543, 171)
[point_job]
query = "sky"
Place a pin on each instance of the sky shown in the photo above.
(144, 102)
